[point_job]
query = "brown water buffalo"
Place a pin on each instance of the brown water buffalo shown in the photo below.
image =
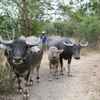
(53, 57)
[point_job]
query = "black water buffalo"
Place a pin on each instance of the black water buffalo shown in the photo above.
(24, 56)
(69, 49)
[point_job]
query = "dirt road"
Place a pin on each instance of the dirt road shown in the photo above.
(84, 85)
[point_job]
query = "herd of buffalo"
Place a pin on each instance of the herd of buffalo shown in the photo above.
(25, 54)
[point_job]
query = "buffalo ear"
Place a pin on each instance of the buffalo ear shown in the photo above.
(60, 51)
(50, 49)
(34, 49)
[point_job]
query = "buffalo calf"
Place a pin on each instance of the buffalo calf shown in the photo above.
(53, 57)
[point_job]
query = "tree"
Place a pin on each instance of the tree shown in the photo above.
(26, 11)
(8, 25)
(90, 7)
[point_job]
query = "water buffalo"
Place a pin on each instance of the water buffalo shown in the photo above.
(69, 50)
(24, 56)
(53, 57)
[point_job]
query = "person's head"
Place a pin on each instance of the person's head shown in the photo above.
(42, 33)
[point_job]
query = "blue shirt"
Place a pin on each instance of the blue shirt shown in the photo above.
(43, 38)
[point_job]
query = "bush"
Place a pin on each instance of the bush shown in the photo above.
(86, 30)
(65, 28)
(90, 30)
(49, 28)
(6, 77)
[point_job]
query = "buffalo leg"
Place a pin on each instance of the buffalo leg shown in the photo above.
(55, 69)
(37, 78)
(19, 90)
(26, 94)
(31, 78)
(56, 72)
(51, 72)
(69, 72)
(61, 65)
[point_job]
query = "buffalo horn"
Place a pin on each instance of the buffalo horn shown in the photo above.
(33, 43)
(83, 45)
(6, 42)
(68, 44)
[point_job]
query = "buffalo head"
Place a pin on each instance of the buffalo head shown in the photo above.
(18, 48)
(76, 48)
(55, 52)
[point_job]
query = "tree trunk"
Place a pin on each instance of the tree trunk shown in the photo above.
(27, 23)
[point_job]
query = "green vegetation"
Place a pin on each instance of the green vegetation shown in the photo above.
(86, 30)
(30, 17)
(6, 77)
(27, 18)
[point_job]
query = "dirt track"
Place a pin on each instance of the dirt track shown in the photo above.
(84, 85)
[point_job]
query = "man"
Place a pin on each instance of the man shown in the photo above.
(43, 37)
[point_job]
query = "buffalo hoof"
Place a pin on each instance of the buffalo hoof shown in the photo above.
(31, 83)
(70, 74)
(54, 74)
(50, 80)
(26, 97)
(19, 91)
(37, 80)
(57, 78)
(61, 73)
